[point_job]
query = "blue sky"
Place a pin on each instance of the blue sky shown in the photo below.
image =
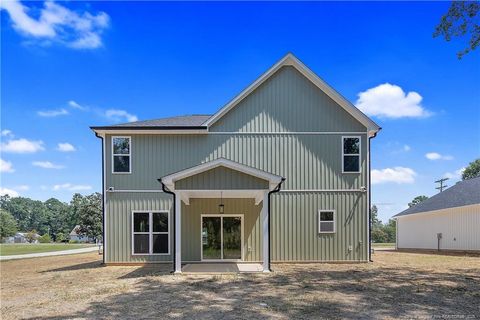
(68, 65)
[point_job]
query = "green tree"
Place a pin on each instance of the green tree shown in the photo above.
(472, 170)
(461, 20)
(58, 217)
(45, 238)
(31, 236)
(90, 215)
(390, 230)
(8, 225)
(60, 237)
(29, 214)
(417, 200)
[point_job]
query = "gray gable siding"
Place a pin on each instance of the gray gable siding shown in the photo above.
(221, 178)
(287, 102)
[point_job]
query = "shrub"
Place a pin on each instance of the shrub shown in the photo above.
(73, 241)
(45, 238)
(60, 237)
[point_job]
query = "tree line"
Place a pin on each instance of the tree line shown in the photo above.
(53, 218)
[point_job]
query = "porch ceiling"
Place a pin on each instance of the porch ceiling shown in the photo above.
(186, 195)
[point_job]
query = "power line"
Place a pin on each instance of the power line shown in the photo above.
(441, 186)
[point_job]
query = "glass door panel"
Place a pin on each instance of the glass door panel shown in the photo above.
(232, 238)
(211, 238)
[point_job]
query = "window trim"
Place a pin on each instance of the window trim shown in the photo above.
(150, 233)
(129, 155)
(334, 221)
(352, 154)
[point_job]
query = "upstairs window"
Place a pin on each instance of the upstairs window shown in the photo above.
(151, 233)
(326, 221)
(351, 154)
(121, 155)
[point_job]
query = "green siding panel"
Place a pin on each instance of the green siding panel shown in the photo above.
(221, 178)
(307, 161)
(287, 102)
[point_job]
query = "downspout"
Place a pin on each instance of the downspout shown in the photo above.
(103, 195)
(370, 196)
(164, 188)
(277, 189)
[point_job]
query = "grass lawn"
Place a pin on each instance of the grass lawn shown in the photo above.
(383, 245)
(24, 248)
(397, 285)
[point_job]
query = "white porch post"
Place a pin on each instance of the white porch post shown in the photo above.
(178, 234)
(265, 233)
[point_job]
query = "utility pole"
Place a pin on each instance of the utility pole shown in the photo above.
(441, 186)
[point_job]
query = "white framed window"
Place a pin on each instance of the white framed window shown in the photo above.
(326, 221)
(121, 154)
(351, 146)
(151, 232)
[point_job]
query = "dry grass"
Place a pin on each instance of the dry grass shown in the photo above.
(396, 285)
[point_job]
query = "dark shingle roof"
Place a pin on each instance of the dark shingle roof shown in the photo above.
(462, 194)
(188, 121)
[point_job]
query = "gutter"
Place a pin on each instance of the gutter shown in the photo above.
(103, 196)
(149, 128)
(276, 190)
(164, 188)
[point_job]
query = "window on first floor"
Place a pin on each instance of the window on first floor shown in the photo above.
(121, 154)
(326, 221)
(351, 154)
(151, 232)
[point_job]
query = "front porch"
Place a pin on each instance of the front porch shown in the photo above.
(221, 268)
(221, 217)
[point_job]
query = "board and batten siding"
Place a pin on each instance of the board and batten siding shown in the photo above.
(460, 229)
(287, 127)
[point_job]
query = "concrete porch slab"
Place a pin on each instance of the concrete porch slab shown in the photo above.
(222, 268)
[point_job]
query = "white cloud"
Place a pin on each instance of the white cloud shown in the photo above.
(56, 23)
(75, 105)
(47, 165)
(65, 147)
(10, 192)
(7, 133)
(52, 113)
(120, 115)
(390, 101)
(454, 175)
(71, 187)
(22, 146)
(406, 148)
(6, 166)
(396, 175)
(23, 187)
(437, 156)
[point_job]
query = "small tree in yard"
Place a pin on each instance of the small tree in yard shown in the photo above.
(8, 225)
(472, 170)
(60, 237)
(45, 238)
(90, 215)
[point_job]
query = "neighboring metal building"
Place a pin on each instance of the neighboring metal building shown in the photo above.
(281, 173)
(449, 220)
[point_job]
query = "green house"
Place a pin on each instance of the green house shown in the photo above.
(279, 174)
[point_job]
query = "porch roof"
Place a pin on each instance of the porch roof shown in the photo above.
(272, 179)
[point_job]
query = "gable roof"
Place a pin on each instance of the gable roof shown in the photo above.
(169, 180)
(464, 193)
(201, 123)
(291, 60)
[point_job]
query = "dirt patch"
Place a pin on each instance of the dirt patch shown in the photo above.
(396, 285)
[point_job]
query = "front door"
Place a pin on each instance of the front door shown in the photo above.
(222, 237)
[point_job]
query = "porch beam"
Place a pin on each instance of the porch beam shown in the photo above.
(178, 234)
(265, 233)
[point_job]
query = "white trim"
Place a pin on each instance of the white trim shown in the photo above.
(286, 133)
(126, 190)
(352, 154)
(438, 210)
(104, 199)
(178, 234)
(291, 60)
(323, 190)
(369, 202)
(122, 155)
(334, 221)
(221, 215)
(265, 234)
(150, 232)
(170, 179)
(151, 131)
